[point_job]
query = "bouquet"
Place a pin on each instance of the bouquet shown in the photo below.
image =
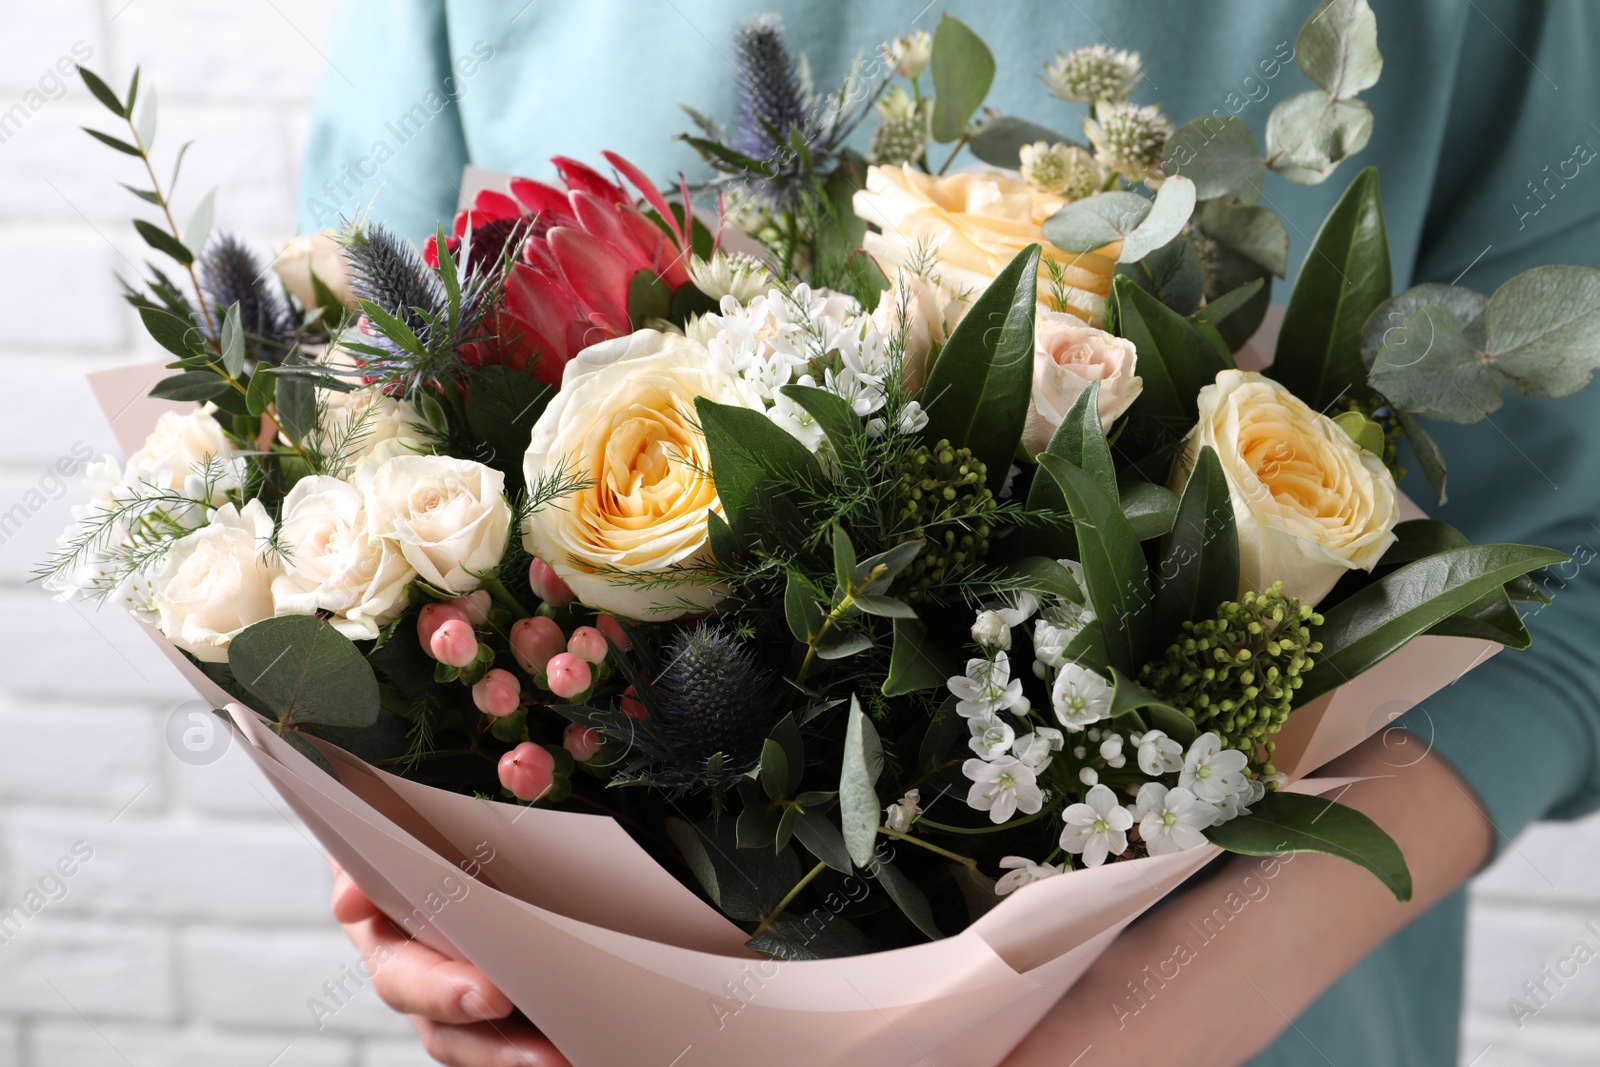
(846, 555)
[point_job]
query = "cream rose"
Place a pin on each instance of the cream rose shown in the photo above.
(331, 561)
(972, 225)
(927, 311)
(318, 253)
(1309, 504)
(178, 455)
(624, 421)
(353, 424)
(214, 582)
(448, 517)
(1068, 354)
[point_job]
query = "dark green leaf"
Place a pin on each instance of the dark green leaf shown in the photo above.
(1493, 617)
(1176, 361)
(102, 92)
(1218, 153)
(1149, 508)
(800, 609)
(912, 901)
(162, 241)
(258, 395)
(177, 336)
(915, 662)
(1080, 441)
(885, 607)
(1345, 277)
(1233, 300)
(1041, 575)
(1423, 447)
(233, 342)
(977, 392)
(787, 736)
(758, 467)
(296, 399)
(842, 646)
(149, 196)
(1172, 274)
(859, 811)
(502, 406)
(756, 827)
(1293, 822)
(998, 142)
(823, 840)
(107, 139)
(1251, 230)
(648, 298)
(839, 424)
(1129, 696)
(724, 546)
(875, 574)
(945, 730)
(821, 935)
(1200, 565)
(305, 672)
(774, 770)
(963, 69)
(844, 559)
(195, 385)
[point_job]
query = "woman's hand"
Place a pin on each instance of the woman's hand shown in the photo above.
(1301, 920)
(463, 1020)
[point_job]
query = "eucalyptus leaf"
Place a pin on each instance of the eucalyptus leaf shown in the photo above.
(800, 609)
(774, 770)
(145, 127)
(862, 762)
(113, 142)
(304, 672)
(1338, 48)
(1426, 451)
(1280, 823)
(1310, 133)
(962, 68)
(258, 394)
(295, 401)
(1251, 230)
(102, 92)
(843, 646)
(1218, 153)
(162, 241)
(199, 228)
(1090, 224)
(1173, 273)
(823, 840)
(193, 385)
(915, 662)
(176, 335)
(233, 342)
(999, 141)
(1385, 327)
(1174, 204)
(910, 899)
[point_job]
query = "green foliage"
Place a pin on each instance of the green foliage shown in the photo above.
(1199, 568)
(998, 141)
(1280, 823)
(859, 812)
(1218, 153)
(761, 473)
(1176, 361)
(943, 500)
(303, 672)
(963, 69)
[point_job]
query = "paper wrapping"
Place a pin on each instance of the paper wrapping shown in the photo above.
(621, 964)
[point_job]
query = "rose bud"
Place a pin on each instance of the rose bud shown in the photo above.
(474, 607)
(454, 643)
(582, 741)
(608, 625)
(432, 616)
(497, 693)
(632, 706)
(528, 771)
(588, 644)
(534, 641)
(568, 675)
(548, 586)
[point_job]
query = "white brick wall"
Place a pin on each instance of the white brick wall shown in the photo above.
(197, 929)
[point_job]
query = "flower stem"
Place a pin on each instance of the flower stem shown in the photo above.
(788, 899)
(966, 861)
(954, 152)
(977, 830)
(177, 235)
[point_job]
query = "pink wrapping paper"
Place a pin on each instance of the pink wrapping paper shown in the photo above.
(621, 964)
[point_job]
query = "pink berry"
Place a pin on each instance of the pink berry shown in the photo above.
(568, 675)
(582, 741)
(632, 706)
(613, 630)
(454, 643)
(432, 616)
(497, 693)
(548, 585)
(474, 607)
(534, 641)
(588, 644)
(528, 771)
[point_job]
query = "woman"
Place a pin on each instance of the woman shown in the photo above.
(1482, 113)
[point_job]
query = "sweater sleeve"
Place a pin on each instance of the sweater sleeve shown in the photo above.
(386, 134)
(1518, 188)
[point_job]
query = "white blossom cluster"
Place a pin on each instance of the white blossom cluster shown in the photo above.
(1016, 749)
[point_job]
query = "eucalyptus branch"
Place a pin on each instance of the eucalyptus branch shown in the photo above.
(172, 224)
(788, 899)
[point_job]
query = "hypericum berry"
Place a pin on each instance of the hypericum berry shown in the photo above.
(528, 771)
(497, 693)
(582, 741)
(568, 675)
(431, 617)
(608, 625)
(454, 643)
(474, 607)
(632, 706)
(534, 641)
(548, 586)
(588, 644)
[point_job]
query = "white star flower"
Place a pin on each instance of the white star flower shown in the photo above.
(1021, 871)
(991, 737)
(988, 687)
(1080, 697)
(1158, 753)
(1002, 787)
(1097, 828)
(1214, 774)
(1035, 749)
(1171, 820)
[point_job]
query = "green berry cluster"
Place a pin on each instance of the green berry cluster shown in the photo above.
(944, 500)
(1236, 674)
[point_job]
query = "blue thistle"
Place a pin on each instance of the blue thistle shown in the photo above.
(387, 270)
(774, 97)
(230, 273)
(714, 696)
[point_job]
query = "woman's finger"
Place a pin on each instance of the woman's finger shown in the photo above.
(487, 1045)
(415, 980)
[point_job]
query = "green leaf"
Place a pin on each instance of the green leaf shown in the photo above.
(1251, 230)
(787, 736)
(1362, 630)
(149, 196)
(1362, 430)
(998, 142)
(1096, 221)
(133, 94)
(774, 770)
(963, 69)
(1345, 277)
(759, 469)
(1338, 48)
(102, 92)
(915, 663)
(823, 840)
(1385, 327)
(842, 646)
(1228, 273)
(724, 546)
(178, 336)
(977, 392)
(844, 559)
(1544, 329)
(1149, 508)
(1173, 273)
(1174, 204)
(1227, 304)
(194, 385)
(258, 394)
(1128, 696)
(886, 607)
(839, 424)
(1199, 567)
(911, 900)
(756, 827)
(107, 139)
(1493, 617)
(296, 399)
(233, 342)
(1293, 822)
(145, 128)
(1176, 361)
(162, 241)
(648, 298)
(1114, 568)
(1310, 133)
(800, 609)
(839, 229)
(858, 795)
(1080, 441)
(305, 672)
(199, 228)
(1218, 153)
(1423, 447)
(502, 405)
(1040, 575)
(945, 729)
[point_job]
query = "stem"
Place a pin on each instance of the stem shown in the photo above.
(788, 899)
(815, 643)
(501, 595)
(954, 152)
(976, 830)
(966, 861)
(155, 187)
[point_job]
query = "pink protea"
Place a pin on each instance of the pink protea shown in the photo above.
(581, 248)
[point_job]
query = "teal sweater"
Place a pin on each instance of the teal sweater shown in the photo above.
(1485, 111)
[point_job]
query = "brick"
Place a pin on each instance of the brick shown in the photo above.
(78, 651)
(43, 269)
(1511, 946)
(104, 970)
(123, 1046)
(269, 979)
(115, 757)
(1551, 862)
(230, 787)
(40, 433)
(30, 47)
(239, 873)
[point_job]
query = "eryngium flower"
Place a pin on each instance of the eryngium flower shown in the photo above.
(1092, 75)
(386, 269)
(713, 696)
(230, 273)
(774, 95)
(1129, 139)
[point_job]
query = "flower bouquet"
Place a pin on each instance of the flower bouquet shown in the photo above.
(829, 646)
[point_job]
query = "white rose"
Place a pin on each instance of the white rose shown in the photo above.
(448, 516)
(625, 422)
(927, 311)
(351, 425)
(1309, 503)
(318, 253)
(331, 561)
(1067, 355)
(214, 582)
(178, 455)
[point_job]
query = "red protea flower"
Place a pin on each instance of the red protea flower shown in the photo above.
(582, 246)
